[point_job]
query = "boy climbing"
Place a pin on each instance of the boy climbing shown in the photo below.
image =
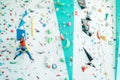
(23, 49)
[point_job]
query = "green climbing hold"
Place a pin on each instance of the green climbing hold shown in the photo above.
(48, 31)
(20, 79)
(110, 42)
(106, 0)
(26, 1)
(11, 38)
(62, 60)
(49, 40)
(13, 62)
(65, 79)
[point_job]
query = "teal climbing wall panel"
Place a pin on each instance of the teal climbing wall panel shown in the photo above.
(65, 16)
(117, 59)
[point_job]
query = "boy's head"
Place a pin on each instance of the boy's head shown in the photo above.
(22, 38)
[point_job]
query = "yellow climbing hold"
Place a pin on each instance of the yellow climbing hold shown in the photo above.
(32, 27)
(103, 38)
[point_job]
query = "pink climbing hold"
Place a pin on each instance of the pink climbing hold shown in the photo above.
(69, 24)
(58, 75)
(12, 31)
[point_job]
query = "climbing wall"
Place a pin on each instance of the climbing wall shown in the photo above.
(37, 19)
(65, 17)
(94, 40)
(68, 39)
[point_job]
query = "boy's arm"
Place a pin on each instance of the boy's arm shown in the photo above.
(17, 49)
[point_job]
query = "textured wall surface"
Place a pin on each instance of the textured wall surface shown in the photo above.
(100, 46)
(43, 37)
(45, 45)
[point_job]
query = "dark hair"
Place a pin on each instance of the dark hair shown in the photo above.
(21, 38)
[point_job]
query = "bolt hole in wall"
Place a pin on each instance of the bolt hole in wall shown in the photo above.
(43, 54)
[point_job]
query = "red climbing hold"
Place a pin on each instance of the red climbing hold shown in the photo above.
(84, 68)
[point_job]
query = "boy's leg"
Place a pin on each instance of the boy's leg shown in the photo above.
(29, 55)
(18, 55)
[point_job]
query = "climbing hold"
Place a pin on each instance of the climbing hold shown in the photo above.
(106, 16)
(69, 24)
(98, 35)
(54, 66)
(84, 68)
(48, 31)
(32, 27)
(67, 43)
(60, 3)
(1, 63)
(103, 38)
(49, 40)
(20, 79)
(62, 60)
(13, 62)
(58, 75)
(62, 37)
(12, 31)
(44, 25)
(82, 4)
(88, 55)
(110, 42)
